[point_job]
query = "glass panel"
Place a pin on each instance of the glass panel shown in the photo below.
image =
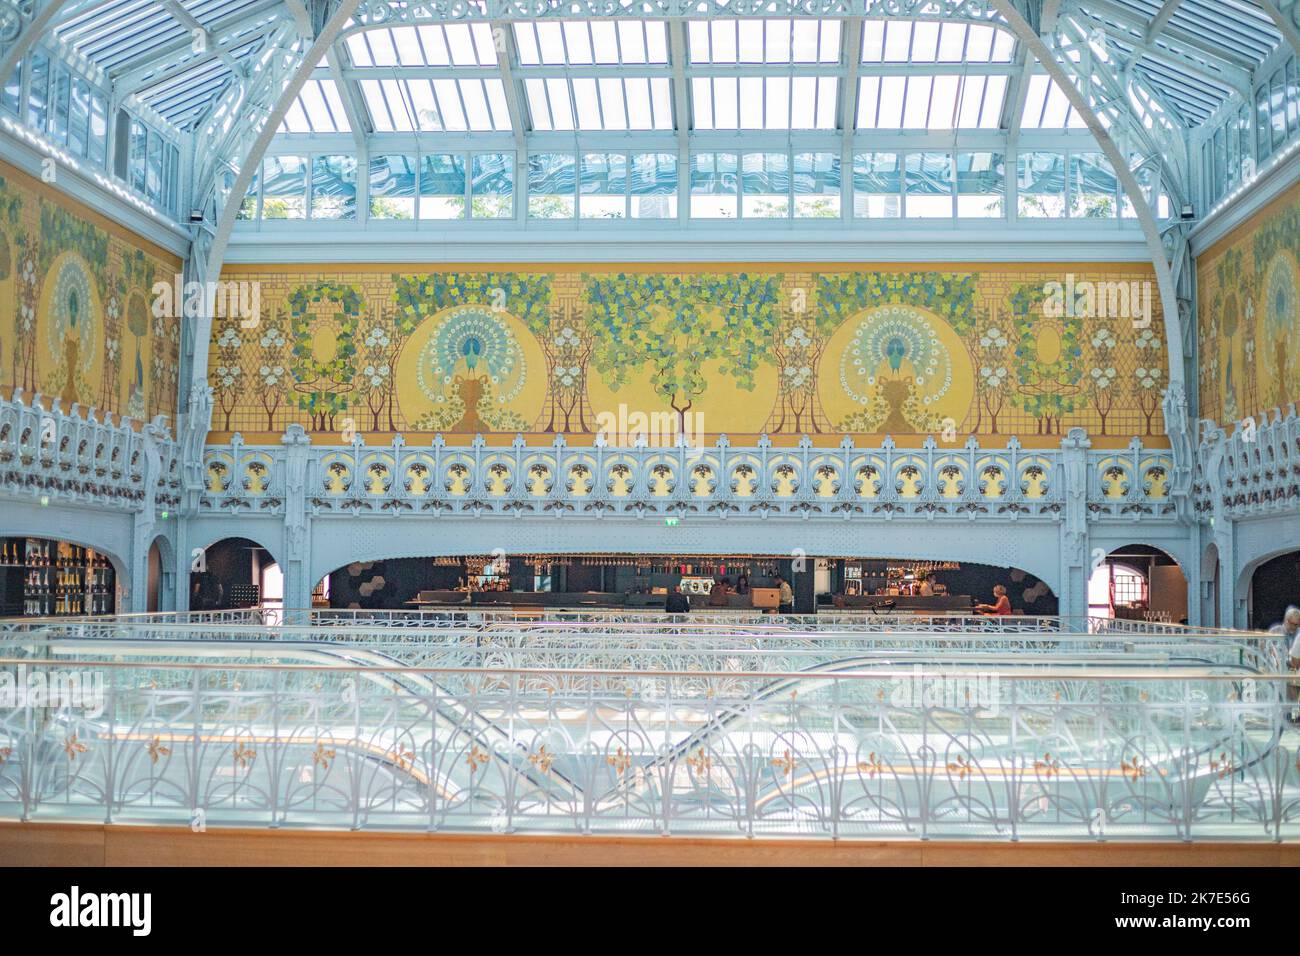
(442, 186)
(928, 180)
(551, 186)
(62, 88)
(79, 117)
(1041, 183)
(139, 144)
(1264, 146)
(248, 207)
(154, 168)
(816, 182)
(38, 96)
(492, 186)
(877, 186)
(392, 186)
(602, 186)
(981, 185)
(98, 129)
(11, 96)
(1277, 108)
(765, 179)
(714, 186)
(654, 186)
(284, 195)
(1093, 186)
(334, 187)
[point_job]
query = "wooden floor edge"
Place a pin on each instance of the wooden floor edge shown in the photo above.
(72, 844)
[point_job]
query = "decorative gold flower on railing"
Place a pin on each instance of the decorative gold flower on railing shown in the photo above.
(402, 757)
(700, 763)
(542, 760)
(156, 750)
(1132, 769)
(476, 758)
(872, 765)
(620, 761)
(321, 756)
(72, 747)
(785, 763)
(5, 753)
(961, 767)
(1223, 764)
(1143, 696)
(244, 755)
(1049, 766)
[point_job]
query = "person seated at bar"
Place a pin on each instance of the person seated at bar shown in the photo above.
(677, 602)
(742, 584)
(1001, 605)
(718, 596)
(925, 586)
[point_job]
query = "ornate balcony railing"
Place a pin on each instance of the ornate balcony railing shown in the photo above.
(1254, 471)
(286, 734)
(75, 458)
(763, 480)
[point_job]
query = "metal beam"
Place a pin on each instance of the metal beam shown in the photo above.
(185, 19)
(220, 30)
(1167, 10)
(504, 41)
(1019, 92)
(681, 96)
(1284, 23)
(28, 36)
(1126, 17)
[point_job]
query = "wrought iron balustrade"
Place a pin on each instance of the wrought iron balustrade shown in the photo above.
(1254, 471)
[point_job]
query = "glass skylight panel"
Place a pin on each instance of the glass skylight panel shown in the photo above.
(284, 193)
(442, 186)
(930, 102)
(551, 182)
(714, 186)
(928, 185)
(929, 41)
(457, 44)
(1040, 185)
(316, 109)
(1093, 186)
(1046, 107)
(592, 42)
(392, 186)
(653, 186)
(877, 186)
(492, 185)
(815, 181)
(758, 102)
(604, 103)
(602, 186)
(440, 105)
(334, 187)
(765, 185)
(981, 185)
(725, 42)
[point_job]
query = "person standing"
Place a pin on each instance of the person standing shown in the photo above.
(785, 596)
(1289, 630)
(1001, 603)
(677, 602)
(718, 595)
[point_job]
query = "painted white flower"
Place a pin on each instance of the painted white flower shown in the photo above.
(568, 377)
(227, 375)
(377, 374)
(1103, 338)
(272, 338)
(1148, 377)
(271, 375)
(993, 338)
(1102, 377)
(28, 316)
(229, 339)
(377, 337)
(798, 338)
(112, 310)
(993, 377)
(110, 349)
(1148, 340)
(567, 338)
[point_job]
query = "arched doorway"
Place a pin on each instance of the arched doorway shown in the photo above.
(1138, 581)
(1274, 586)
(234, 573)
(1211, 615)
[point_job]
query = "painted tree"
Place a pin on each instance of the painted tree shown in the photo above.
(1048, 387)
(272, 372)
(324, 386)
(673, 324)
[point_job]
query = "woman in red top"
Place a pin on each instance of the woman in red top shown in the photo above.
(1002, 604)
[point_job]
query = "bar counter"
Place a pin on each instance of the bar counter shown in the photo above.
(595, 600)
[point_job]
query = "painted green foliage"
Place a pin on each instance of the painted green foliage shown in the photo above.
(1280, 232)
(324, 387)
(671, 323)
(62, 232)
(527, 297)
(1046, 389)
(951, 297)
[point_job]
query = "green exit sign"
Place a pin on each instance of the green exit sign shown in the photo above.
(672, 522)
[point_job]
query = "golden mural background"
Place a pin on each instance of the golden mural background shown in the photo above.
(741, 350)
(1247, 289)
(75, 306)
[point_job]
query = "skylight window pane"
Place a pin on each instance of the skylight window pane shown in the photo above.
(358, 50)
(1093, 186)
(723, 35)
(765, 186)
(460, 44)
(656, 37)
(943, 102)
(661, 102)
(928, 185)
(917, 105)
(893, 91)
(816, 182)
(442, 186)
(972, 101)
(925, 41)
(1035, 98)
(284, 195)
(550, 39)
(430, 114)
(952, 43)
(714, 186)
(398, 105)
(751, 41)
(639, 113)
(334, 187)
(697, 32)
(492, 186)
(381, 45)
(803, 115)
(631, 41)
(726, 109)
(873, 41)
(995, 96)
(830, 41)
(295, 119)
(1057, 108)
(611, 103)
(434, 42)
(551, 185)
(319, 112)
(751, 102)
(496, 94)
(484, 44)
(602, 186)
(1004, 46)
(702, 102)
(877, 186)
(777, 107)
(804, 47)
(868, 101)
(898, 40)
(828, 88)
(586, 103)
(477, 117)
(377, 106)
(1040, 179)
(409, 51)
(981, 185)
(557, 91)
(578, 42)
(604, 41)
(653, 186)
(526, 44)
(979, 43)
(335, 103)
(777, 44)
(538, 108)
(392, 187)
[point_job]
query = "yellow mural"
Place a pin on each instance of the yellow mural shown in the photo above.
(75, 317)
(786, 351)
(1247, 289)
